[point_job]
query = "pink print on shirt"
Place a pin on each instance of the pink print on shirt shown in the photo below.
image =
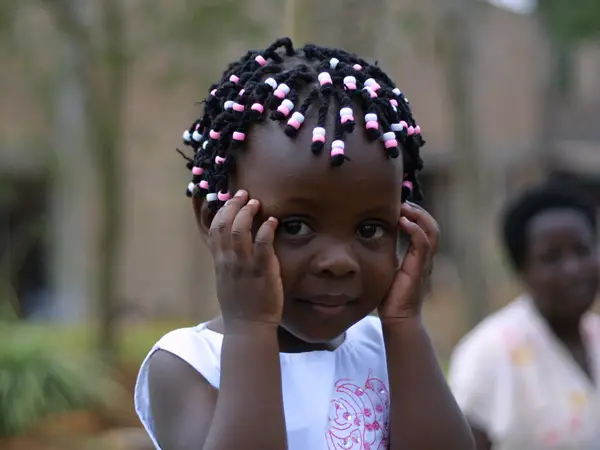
(359, 416)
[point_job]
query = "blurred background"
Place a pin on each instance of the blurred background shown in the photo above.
(98, 250)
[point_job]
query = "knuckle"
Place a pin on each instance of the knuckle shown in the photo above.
(237, 235)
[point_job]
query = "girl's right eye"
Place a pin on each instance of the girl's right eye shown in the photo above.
(295, 228)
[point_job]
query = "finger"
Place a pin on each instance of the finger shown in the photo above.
(263, 242)
(417, 255)
(241, 229)
(220, 228)
(423, 219)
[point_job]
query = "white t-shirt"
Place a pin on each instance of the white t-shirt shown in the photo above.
(516, 381)
(332, 399)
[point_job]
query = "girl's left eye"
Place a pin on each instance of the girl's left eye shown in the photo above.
(371, 232)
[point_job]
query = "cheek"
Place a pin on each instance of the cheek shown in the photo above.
(379, 269)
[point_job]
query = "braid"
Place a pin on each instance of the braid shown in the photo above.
(261, 82)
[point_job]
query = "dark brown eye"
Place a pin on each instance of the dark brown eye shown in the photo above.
(371, 232)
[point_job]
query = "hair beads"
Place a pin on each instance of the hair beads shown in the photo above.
(337, 152)
(285, 84)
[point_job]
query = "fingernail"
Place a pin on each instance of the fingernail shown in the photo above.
(240, 193)
(253, 202)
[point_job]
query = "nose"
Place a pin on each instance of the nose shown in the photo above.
(335, 260)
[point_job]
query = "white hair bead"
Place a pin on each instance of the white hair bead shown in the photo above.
(211, 197)
(297, 116)
(271, 82)
(371, 117)
(333, 62)
(318, 131)
(287, 103)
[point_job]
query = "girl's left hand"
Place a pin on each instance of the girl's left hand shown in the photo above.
(405, 297)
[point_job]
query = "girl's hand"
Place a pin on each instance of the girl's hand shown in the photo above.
(406, 294)
(249, 287)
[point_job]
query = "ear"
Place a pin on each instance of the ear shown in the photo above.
(204, 216)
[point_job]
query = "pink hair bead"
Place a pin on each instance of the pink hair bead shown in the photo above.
(417, 129)
(371, 92)
(371, 121)
(318, 134)
(238, 107)
(407, 184)
(234, 78)
(260, 60)
(214, 134)
(350, 83)
(281, 91)
(241, 92)
(223, 196)
(203, 184)
(197, 170)
(285, 107)
(325, 78)
(213, 92)
(296, 120)
(337, 147)
(257, 107)
(411, 130)
(357, 67)
(219, 160)
(238, 136)
(394, 102)
(404, 124)
(391, 143)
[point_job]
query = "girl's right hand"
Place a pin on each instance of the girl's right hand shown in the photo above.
(249, 287)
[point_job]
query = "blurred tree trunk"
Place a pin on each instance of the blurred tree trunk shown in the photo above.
(99, 69)
(457, 23)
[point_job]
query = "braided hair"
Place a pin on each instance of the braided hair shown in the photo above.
(270, 82)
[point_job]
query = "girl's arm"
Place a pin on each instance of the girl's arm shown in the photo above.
(247, 411)
(423, 412)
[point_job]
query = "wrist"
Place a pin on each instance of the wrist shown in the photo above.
(243, 327)
(404, 321)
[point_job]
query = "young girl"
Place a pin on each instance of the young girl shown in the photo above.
(305, 247)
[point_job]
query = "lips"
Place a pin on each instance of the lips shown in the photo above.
(332, 301)
(328, 305)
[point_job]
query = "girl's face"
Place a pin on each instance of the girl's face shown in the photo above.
(337, 235)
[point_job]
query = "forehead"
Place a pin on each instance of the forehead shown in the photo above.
(274, 165)
(557, 223)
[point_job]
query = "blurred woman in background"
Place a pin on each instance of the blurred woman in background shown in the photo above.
(528, 376)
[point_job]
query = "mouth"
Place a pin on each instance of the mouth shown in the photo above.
(328, 305)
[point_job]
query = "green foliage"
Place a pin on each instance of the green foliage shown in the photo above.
(571, 21)
(38, 380)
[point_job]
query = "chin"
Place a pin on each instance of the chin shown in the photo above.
(315, 335)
